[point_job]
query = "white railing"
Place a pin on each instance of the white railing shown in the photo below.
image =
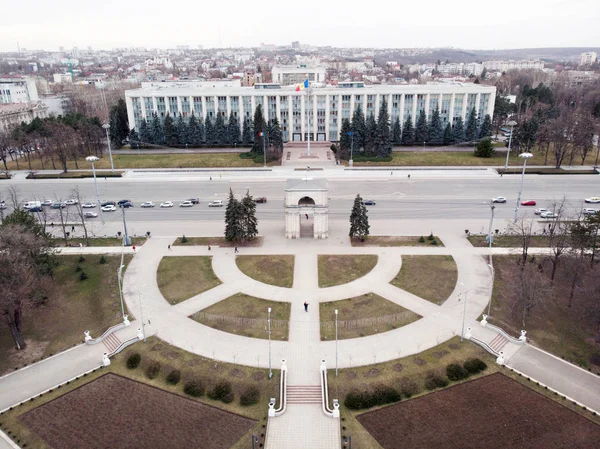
(485, 346)
(517, 341)
(124, 344)
(335, 412)
(92, 341)
(282, 394)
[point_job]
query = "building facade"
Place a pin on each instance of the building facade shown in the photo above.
(317, 112)
(588, 58)
(18, 90)
(12, 115)
(292, 75)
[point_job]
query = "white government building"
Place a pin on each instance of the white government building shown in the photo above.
(325, 106)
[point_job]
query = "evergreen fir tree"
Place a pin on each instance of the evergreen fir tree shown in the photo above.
(220, 130)
(247, 132)
(436, 132)
(383, 145)
(145, 134)
(359, 221)
(169, 131)
(358, 126)
(134, 138)
(201, 130)
(249, 221)
(195, 138)
(421, 130)
(209, 131)
(458, 131)
(408, 132)
(258, 129)
(157, 130)
(345, 139)
(234, 129)
(183, 134)
(397, 132)
(370, 140)
(471, 131)
(448, 134)
(119, 123)
(276, 137)
(233, 219)
(486, 127)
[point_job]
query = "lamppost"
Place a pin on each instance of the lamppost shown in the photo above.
(106, 127)
(262, 135)
(126, 239)
(490, 237)
(351, 134)
(511, 124)
(336, 342)
(466, 292)
(93, 159)
(142, 315)
(269, 328)
(120, 281)
(525, 156)
(493, 277)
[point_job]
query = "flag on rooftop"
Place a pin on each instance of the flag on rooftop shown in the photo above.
(302, 86)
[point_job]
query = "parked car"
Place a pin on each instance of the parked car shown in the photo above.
(194, 200)
(58, 205)
(148, 204)
(540, 211)
(594, 199)
(588, 211)
(216, 203)
(47, 203)
(71, 202)
(108, 203)
(260, 199)
(166, 204)
(88, 205)
(2, 205)
(35, 209)
(528, 203)
(123, 202)
(126, 204)
(186, 204)
(499, 199)
(368, 203)
(109, 208)
(28, 205)
(90, 215)
(548, 214)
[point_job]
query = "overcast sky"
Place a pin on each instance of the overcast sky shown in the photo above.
(469, 24)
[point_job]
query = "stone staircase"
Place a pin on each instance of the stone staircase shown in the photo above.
(303, 394)
(111, 342)
(498, 343)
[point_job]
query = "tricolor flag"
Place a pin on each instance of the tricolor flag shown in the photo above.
(260, 134)
(302, 86)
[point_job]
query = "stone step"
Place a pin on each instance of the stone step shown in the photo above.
(498, 342)
(303, 394)
(111, 342)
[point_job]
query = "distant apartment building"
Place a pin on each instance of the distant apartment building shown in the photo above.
(250, 78)
(322, 111)
(505, 66)
(296, 45)
(18, 90)
(12, 115)
(288, 75)
(588, 58)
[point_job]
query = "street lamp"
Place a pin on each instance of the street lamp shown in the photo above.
(142, 314)
(106, 127)
(269, 328)
(525, 156)
(93, 159)
(511, 124)
(493, 276)
(120, 281)
(462, 333)
(336, 342)
(351, 134)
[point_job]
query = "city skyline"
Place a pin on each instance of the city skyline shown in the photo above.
(137, 24)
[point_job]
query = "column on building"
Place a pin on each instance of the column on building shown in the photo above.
(451, 111)
(291, 123)
(477, 103)
(427, 100)
(327, 117)
(464, 108)
(414, 108)
(303, 122)
(204, 110)
(401, 112)
(179, 108)
(315, 121)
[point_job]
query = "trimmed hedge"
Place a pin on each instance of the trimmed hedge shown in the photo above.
(174, 377)
(194, 388)
(250, 396)
(153, 370)
(455, 372)
(409, 387)
(133, 361)
(434, 381)
(222, 392)
(381, 395)
(474, 366)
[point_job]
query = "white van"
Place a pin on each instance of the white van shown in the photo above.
(32, 205)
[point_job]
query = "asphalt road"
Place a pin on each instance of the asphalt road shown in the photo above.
(421, 198)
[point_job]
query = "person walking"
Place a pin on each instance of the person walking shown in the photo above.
(209, 246)
(169, 247)
(306, 216)
(306, 306)
(409, 176)
(73, 229)
(235, 250)
(133, 247)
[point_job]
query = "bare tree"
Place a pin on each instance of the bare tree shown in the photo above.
(63, 215)
(13, 194)
(561, 134)
(524, 229)
(558, 235)
(528, 290)
(75, 194)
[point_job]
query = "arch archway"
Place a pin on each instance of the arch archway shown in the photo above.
(306, 209)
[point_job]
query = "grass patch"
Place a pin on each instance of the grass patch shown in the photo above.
(546, 171)
(99, 241)
(219, 241)
(246, 315)
(192, 366)
(180, 278)
(509, 241)
(337, 270)
(362, 308)
(273, 270)
(429, 277)
(92, 304)
(74, 175)
(390, 240)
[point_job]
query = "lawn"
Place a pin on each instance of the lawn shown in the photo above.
(361, 316)
(180, 278)
(92, 304)
(389, 240)
(99, 241)
(246, 315)
(191, 366)
(429, 277)
(275, 270)
(218, 241)
(509, 241)
(75, 175)
(337, 270)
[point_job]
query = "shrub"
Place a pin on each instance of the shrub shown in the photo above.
(474, 366)
(409, 387)
(247, 155)
(102, 260)
(221, 391)
(355, 400)
(81, 259)
(228, 398)
(421, 239)
(174, 377)
(383, 394)
(431, 237)
(250, 396)
(434, 381)
(153, 370)
(133, 361)
(484, 148)
(184, 239)
(194, 388)
(78, 268)
(434, 242)
(455, 372)
(83, 276)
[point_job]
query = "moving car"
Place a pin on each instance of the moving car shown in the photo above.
(528, 203)
(123, 202)
(88, 205)
(90, 215)
(2, 205)
(540, 211)
(126, 204)
(58, 205)
(594, 199)
(35, 209)
(194, 200)
(588, 211)
(148, 204)
(186, 204)
(47, 203)
(166, 204)
(216, 203)
(28, 205)
(109, 208)
(368, 203)
(260, 199)
(108, 203)
(71, 202)
(548, 214)
(499, 199)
